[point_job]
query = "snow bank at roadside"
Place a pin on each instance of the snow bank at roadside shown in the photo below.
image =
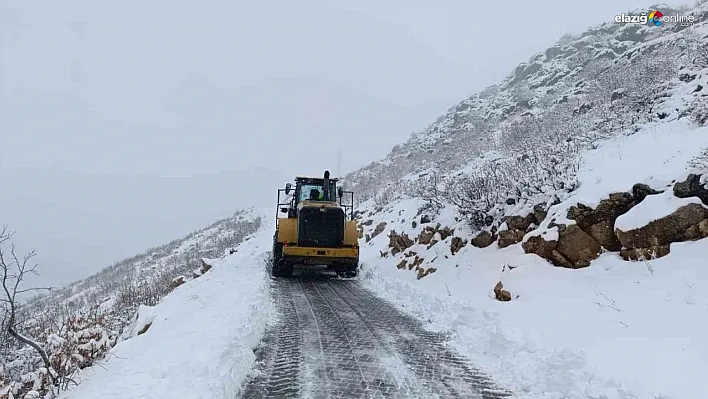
(200, 339)
(614, 330)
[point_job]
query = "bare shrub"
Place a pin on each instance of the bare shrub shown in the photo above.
(698, 110)
(13, 272)
(696, 47)
(384, 196)
(14, 269)
(522, 133)
(430, 189)
(81, 340)
(477, 193)
(480, 196)
(700, 161)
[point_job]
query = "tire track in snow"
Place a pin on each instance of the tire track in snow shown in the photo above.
(400, 375)
(423, 351)
(319, 369)
(279, 355)
(352, 362)
(352, 344)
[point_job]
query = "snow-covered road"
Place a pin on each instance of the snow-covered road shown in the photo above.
(333, 338)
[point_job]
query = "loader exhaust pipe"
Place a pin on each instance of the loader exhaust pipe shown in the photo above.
(325, 185)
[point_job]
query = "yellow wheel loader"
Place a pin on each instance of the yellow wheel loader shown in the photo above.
(318, 228)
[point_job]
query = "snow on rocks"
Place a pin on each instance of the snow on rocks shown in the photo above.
(612, 329)
(559, 334)
(657, 207)
(646, 206)
(142, 321)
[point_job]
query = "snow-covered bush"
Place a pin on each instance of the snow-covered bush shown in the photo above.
(483, 195)
(697, 48)
(429, 188)
(384, 196)
(698, 110)
(77, 343)
(5, 339)
(700, 161)
(80, 341)
(478, 193)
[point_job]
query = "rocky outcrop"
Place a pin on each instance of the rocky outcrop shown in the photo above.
(457, 244)
(424, 272)
(144, 328)
(703, 228)
(445, 232)
(539, 213)
(205, 267)
(518, 226)
(483, 239)
(682, 225)
(510, 237)
(378, 230)
(692, 187)
(546, 249)
(398, 242)
(415, 264)
(573, 248)
(687, 223)
(575, 245)
(177, 281)
(431, 235)
(641, 191)
(599, 223)
(501, 294)
(521, 223)
(426, 236)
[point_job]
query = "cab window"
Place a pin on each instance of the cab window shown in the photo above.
(308, 190)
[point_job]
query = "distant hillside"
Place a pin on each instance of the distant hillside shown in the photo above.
(60, 212)
(86, 318)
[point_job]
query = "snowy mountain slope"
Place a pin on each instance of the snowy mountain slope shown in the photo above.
(89, 316)
(199, 341)
(459, 238)
(571, 93)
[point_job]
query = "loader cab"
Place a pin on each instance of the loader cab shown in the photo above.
(310, 189)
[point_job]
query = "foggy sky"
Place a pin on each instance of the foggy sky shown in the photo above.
(126, 124)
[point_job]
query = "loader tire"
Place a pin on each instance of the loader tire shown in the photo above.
(275, 267)
(279, 268)
(349, 272)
